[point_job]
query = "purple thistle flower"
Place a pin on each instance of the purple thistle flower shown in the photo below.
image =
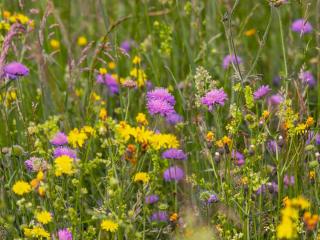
(109, 81)
(60, 151)
(173, 174)
(64, 234)
(261, 92)
(288, 180)
(231, 59)
(59, 139)
(275, 99)
(35, 164)
(160, 107)
(174, 153)
(239, 157)
(308, 78)
(301, 26)
(161, 94)
(212, 199)
(214, 97)
(174, 118)
(150, 199)
(160, 216)
(14, 70)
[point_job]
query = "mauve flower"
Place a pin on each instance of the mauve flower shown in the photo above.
(149, 85)
(64, 234)
(288, 180)
(275, 99)
(109, 81)
(273, 146)
(261, 189)
(238, 156)
(150, 199)
(161, 94)
(173, 174)
(174, 153)
(261, 92)
(60, 151)
(14, 70)
(229, 59)
(59, 139)
(174, 118)
(276, 81)
(160, 107)
(308, 78)
(312, 136)
(212, 199)
(301, 26)
(35, 164)
(214, 97)
(126, 45)
(160, 216)
(273, 187)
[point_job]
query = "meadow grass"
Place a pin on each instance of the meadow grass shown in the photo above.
(172, 138)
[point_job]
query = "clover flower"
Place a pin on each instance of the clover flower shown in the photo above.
(35, 164)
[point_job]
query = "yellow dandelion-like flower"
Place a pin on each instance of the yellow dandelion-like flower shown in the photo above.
(102, 71)
(210, 136)
(77, 138)
(103, 114)
(54, 43)
(136, 60)
(36, 232)
(63, 165)
(43, 217)
(82, 41)
(21, 187)
(109, 226)
(142, 119)
(88, 129)
(250, 32)
(112, 65)
(141, 177)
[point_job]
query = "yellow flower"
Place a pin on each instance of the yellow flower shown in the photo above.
(109, 226)
(112, 65)
(312, 175)
(36, 232)
(142, 119)
(6, 14)
(250, 32)
(265, 114)
(88, 129)
(160, 140)
(141, 177)
(77, 138)
(136, 60)
(82, 41)
(310, 121)
(63, 165)
(286, 229)
(43, 217)
(103, 114)
(210, 136)
(21, 187)
(40, 176)
(102, 71)
(54, 43)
